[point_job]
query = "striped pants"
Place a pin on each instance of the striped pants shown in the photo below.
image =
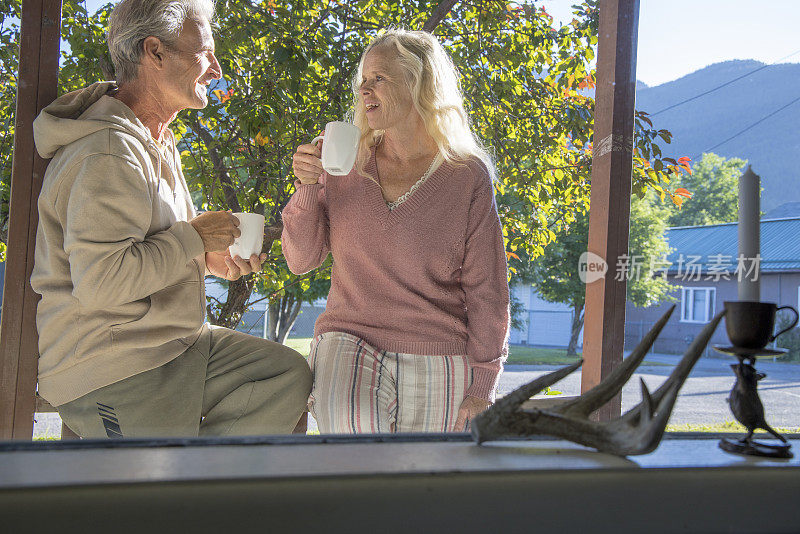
(358, 388)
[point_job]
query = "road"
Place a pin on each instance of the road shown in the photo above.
(702, 400)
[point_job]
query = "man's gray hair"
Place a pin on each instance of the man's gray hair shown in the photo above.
(133, 21)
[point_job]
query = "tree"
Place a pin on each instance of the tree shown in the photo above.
(283, 312)
(10, 10)
(555, 274)
(287, 70)
(714, 183)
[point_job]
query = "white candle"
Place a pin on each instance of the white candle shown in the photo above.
(749, 235)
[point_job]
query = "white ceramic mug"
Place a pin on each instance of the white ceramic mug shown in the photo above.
(252, 238)
(339, 148)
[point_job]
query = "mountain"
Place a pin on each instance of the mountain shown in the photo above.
(771, 147)
(784, 211)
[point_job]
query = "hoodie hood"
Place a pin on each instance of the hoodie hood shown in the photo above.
(84, 112)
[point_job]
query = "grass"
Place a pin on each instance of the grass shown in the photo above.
(729, 426)
(522, 354)
(518, 354)
(300, 344)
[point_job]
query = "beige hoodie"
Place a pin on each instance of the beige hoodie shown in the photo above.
(119, 269)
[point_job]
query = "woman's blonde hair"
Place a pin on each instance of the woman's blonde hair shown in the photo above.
(433, 82)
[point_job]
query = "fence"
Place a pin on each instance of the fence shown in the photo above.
(254, 322)
(545, 328)
(668, 342)
(552, 328)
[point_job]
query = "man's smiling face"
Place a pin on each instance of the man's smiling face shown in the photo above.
(190, 65)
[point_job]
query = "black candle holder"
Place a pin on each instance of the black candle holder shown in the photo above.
(749, 326)
(747, 408)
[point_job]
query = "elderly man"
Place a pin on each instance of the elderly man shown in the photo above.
(121, 256)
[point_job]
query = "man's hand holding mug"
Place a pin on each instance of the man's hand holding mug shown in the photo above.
(232, 242)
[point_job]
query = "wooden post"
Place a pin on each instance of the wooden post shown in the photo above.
(38, 85)
(609, 215)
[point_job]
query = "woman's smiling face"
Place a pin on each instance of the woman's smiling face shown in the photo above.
(384, 93)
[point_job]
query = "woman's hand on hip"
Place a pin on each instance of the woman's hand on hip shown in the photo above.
(470, 407)
(306, 164)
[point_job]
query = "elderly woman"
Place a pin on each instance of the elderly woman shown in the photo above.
(121, 254)
(413, 337)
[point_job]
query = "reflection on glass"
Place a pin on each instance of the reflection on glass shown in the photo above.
(700, 305)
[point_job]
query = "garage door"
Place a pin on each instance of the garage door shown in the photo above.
(550, 328)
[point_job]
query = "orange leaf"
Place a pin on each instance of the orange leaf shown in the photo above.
(510, 255)
(683, 192)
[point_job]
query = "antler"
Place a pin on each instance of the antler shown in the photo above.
(638, 431)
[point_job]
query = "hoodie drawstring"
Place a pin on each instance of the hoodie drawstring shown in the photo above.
(151, 146)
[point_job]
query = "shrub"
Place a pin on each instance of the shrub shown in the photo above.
(788, 340)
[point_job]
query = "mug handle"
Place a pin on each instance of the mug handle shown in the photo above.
(794, 323)
(318, 138)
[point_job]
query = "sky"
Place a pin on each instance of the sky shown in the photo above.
(677, 37)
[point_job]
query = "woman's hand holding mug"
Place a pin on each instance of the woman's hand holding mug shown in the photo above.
(336, 157)
(307, 163)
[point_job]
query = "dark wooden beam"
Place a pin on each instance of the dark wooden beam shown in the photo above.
(609, 211)
(37, 87)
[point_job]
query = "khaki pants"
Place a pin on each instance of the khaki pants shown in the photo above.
(227, 383)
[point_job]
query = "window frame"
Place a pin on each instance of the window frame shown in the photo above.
(711, 306)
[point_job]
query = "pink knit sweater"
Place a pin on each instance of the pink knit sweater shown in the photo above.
(428, 277)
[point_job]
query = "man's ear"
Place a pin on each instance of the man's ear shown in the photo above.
(153, 51)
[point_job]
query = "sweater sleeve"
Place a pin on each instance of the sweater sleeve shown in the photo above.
(485, 284)
(112, 260)
(306, 236)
